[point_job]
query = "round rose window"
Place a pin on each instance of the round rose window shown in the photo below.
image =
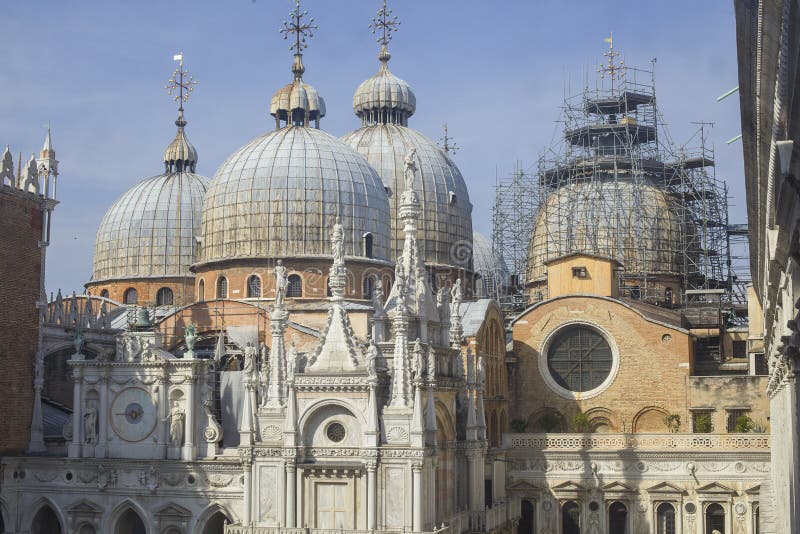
(335, 432)
(579, 358)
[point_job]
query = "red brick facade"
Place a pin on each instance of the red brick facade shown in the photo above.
(20, 275)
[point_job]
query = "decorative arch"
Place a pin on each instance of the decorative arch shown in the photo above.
(121, 509)
(315, 421)
(547, 420)
(205, 521)
(650, 419)
(601, 420)
(40, 506)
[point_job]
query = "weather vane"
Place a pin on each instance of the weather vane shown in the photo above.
(300, 29)
(614, 71)
(386, 22)
(181, 84)
(446, 142)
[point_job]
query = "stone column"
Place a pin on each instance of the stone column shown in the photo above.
(417, 504)
(163, 412)
(372, 495)
(299, 516)
(247, 460)
(291, 493)
(189, 450)
(102, 440)
(36, 442)
(77, 415)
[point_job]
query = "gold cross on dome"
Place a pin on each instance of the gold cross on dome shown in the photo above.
(300, 29)
(181, 84)
(385, 21)
(614, 71)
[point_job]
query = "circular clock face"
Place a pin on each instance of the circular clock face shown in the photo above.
(133, 415)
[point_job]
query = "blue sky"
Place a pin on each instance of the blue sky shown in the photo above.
(495, 72)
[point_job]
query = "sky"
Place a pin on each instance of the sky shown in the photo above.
(495, 72)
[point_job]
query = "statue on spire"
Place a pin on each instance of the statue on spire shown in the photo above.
(410, 169)
(337, 242)
(281, 283)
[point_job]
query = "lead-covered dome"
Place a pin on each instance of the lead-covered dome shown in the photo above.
(149, 232)
(490, 268)
(279, 195)
(444, 235)
(633, 222)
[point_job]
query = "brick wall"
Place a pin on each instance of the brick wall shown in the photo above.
(20, 269)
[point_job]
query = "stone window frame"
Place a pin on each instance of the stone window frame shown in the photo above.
(578, 395)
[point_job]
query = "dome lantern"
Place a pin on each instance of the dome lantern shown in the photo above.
(180, 154)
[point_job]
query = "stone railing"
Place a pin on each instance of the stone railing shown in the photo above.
(500, 514)
(697, 442)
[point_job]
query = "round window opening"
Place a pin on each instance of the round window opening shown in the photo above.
(335, 432)
(579, 359)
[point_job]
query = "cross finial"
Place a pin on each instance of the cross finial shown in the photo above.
(300, 29)
(180, 85)
(446, 142)
(614, 71)
(385, 22)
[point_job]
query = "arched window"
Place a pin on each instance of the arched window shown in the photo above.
(715, 519)
(294, 287)
(46, 522)
(367, 244)
(201, 290)
(665, 518)
(253, 286)
(104, 293)
(571, 518)
(618, 518)
(369, 285)
(216, 524)
(164, 297)
(130, 523)
(131, 297)
(222, 288)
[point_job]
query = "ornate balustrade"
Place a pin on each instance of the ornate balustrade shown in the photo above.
(642, 442)
(239, 529)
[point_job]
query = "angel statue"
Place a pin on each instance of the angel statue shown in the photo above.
(410, 169)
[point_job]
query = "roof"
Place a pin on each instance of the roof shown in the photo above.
(473, 315)
(54, 417)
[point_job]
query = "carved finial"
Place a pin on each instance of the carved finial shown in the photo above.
(614, 71)
(384, 22)
(301, 30)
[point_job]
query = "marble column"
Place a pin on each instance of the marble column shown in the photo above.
(372, 495)
(77, 415)
(299, 516)
(248, 490)
(291, 493)
(102, 440)
(417, 504)
(189, 451)
(163, 412)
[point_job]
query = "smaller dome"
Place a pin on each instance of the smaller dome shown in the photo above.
(297, 103)
(492, 270)
(180, 153)
(384, 93)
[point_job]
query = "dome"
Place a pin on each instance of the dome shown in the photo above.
(636, 224)
(150, 231)
(385, 94)
(279, 195)
(491, 270)
(444, 232)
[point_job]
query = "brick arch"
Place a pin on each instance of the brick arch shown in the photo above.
(650, 419)
(554, 417)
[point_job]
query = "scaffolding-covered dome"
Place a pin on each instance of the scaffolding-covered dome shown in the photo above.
(491, 270)
(279, 195)
(633, 222)
(444, 234)
(150, 231)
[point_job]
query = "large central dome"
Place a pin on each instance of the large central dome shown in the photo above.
(279, 195)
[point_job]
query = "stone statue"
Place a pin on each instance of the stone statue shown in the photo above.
(481, 374)
(337, 243)
(456, 296)
(131, 348)
(399, 272)
(176, 417)
(418, 364)
(90, 423)
(281, 283)
(410, 169)
(377, 297)
(372, 360)
(250, 355)
(291, 361)
(78, 340)
(190, 336)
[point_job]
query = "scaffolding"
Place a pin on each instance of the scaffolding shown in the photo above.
(616, 186)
